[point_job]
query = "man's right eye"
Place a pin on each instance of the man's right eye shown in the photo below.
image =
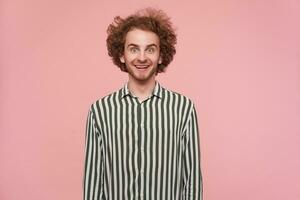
(133, 50)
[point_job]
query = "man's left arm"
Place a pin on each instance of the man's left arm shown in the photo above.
(193, 186)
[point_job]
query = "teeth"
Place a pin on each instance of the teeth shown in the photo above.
(141, 66)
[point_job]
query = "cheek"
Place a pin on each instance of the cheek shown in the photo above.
(154, 58)
(130, 56)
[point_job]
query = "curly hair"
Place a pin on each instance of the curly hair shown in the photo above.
(148, 19)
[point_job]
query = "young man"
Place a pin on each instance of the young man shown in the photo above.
(142, 141)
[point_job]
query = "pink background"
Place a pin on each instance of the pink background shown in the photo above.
(238, 60)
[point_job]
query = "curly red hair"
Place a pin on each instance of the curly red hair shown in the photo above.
(147, 19)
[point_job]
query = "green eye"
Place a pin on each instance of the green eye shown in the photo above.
(133, 50)
(151, 50)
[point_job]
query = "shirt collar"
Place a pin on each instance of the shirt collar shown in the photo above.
(156, 91)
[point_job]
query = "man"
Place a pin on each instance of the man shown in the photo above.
(142, 141)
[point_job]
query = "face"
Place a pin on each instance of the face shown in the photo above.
(141, 55)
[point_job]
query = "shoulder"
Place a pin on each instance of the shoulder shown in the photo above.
(170, 94)
(107, 99)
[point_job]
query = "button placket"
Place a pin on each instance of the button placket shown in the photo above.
(142, 148)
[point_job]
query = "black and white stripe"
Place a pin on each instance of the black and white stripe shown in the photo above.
(142, 150)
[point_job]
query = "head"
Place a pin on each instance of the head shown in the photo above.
(150, 20)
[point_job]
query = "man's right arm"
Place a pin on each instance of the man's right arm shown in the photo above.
(92, 184)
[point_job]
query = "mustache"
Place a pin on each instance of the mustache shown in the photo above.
(142, 62)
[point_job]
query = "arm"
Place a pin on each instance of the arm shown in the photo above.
(193, 188)
(92, 189)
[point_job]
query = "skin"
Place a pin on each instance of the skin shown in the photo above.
(141, 57)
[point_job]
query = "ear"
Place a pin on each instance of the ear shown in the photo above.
(122, 59)
(160, 60)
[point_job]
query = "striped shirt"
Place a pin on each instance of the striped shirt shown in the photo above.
(142, 150)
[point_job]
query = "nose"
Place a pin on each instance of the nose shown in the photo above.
(142, 57)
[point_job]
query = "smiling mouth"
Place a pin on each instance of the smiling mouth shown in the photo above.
(142, 66)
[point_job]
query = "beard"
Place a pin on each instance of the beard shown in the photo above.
(142, 71)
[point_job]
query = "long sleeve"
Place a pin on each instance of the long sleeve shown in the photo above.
(192, 172)
(93, 169)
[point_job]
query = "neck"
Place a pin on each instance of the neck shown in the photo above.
(142, 90)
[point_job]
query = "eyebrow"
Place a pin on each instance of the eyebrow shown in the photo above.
(135, 45)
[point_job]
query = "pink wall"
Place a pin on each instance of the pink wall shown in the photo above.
(238, 60)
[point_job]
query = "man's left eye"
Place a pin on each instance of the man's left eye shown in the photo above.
(151, 50)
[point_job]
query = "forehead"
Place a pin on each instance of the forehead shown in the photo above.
(141, 37)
